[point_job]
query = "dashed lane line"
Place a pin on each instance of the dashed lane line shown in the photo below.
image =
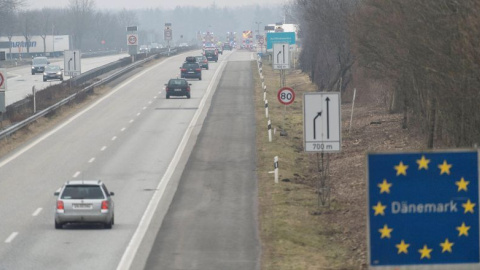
(37, 212)
(103, 148)
(11, 237)
(91, 160)
(114, 138)
(76, 174)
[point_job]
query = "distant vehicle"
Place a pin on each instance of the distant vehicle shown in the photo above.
(177, 87)
(183, 45)
(52, 72)
(84, 201)
(191, 70)
(143, 49)
(227, 47)
(39, 64)
(211, 54)
(203, 61)
(191, 59)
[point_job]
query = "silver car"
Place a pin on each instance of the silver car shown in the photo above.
(84, 201)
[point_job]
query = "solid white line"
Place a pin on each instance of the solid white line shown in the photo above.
(132, 248)
(114, 138)
(44, 137)
(103, 148)
(11, 237)
(123, 129)
(76, 174)
(37, 212)
(91, 160)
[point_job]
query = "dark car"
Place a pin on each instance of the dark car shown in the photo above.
(177, 87)
(202, 61)
(227, 47)
(39, 64)
(211, 54)
(191, 70)
(52, 72)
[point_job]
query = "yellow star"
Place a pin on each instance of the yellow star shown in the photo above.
(384, 186)
(401, 169)
(446, 246)
(385, 231)
(423, 163)
(402, 247)
(463, 230)
(425, 252)
(379, 209)
(462, 184)
(445, 168)
(468, 206)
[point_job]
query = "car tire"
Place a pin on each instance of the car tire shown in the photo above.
(61, 79)
(168, 96)
(109, 224)
(33, 73)
(200, 78)
(44, 79)
(188, 95)
(58, 226)
(207, 68)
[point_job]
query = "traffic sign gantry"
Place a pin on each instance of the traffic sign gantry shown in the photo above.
(321, 122)
(286, 95)
(423, 210)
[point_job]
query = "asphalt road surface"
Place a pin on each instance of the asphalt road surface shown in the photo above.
(130, 139)
(211, 223)
(21, 80)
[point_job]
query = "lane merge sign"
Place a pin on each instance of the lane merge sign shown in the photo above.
(281, 56)
(286, 95)
(72, 63)
(3, 79)
(322, 122)
(423, 210)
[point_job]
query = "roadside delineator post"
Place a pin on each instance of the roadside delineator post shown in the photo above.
(269, 127)
(275, 166)
(266, 109)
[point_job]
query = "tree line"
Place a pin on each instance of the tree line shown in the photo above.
(424, 53)
(88, 27)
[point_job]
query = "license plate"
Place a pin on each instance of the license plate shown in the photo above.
(82, 206)
(178, 89)
(191, 72)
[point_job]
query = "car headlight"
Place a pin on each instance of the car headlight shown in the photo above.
(59, 73)
(33, 67)
(45, 73)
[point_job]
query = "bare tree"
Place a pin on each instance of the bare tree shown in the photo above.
(81, 12)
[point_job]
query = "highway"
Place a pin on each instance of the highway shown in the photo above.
(137, 142)
(20, 79)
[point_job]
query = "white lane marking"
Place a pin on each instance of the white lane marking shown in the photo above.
(123, 129)
(103, 148)
(144, 108)
(134, 244)
(91, 160)
(114, 138)
(76, 174)
(37, 212)
(150, 102)
(45, 136)
(131, 121)
(11, 237)
(138, 114)
(155, 97)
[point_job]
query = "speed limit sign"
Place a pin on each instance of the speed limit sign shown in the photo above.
(132, 39)
(286, 95)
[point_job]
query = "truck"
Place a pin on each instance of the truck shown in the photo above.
(35, 46)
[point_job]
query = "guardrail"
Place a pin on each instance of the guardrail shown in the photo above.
(15, 127)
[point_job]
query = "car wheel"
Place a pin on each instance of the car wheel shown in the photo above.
(215, 61)
(44, 79)
(61, 79)
(207, 68)
(58, 225)
(188, 95)
(200, 78)
(33, 73)
(168, 96)
(109, 224)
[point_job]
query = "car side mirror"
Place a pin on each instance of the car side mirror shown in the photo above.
(165, 84)
(189, 84)
(56, 193)
(48, 62)
(112, 194)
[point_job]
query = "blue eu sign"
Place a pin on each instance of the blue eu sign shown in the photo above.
(282, 37)
(423, 210)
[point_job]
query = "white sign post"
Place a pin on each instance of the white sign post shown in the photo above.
(72, 63)
(322, 122)
(281, 56)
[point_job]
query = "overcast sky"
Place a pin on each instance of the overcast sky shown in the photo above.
(163, 4)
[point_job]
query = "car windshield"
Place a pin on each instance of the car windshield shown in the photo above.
(210, 52)
(40, 61)
(199, 58)
(177, 82)
(81, 192)
(52, 68)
